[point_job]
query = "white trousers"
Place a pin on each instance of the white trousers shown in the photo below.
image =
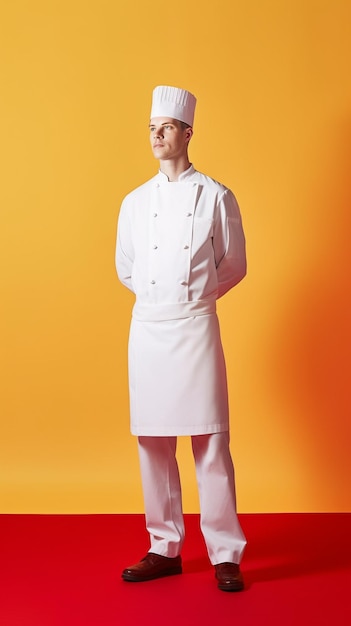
(220, 526)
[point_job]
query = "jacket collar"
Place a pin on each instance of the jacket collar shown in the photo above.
(184, 176)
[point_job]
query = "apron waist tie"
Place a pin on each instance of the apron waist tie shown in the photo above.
(178, 310)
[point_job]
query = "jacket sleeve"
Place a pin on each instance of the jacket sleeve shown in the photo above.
(229, 243)
(124, 248)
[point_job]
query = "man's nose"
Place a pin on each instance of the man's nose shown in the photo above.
(158, 133)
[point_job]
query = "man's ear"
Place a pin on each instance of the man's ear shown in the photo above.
(188, 133)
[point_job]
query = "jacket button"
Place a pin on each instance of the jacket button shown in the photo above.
(185, 247)
(184, 283)
(155, 214)
(189, 214)
(153, 282)
(154, 247)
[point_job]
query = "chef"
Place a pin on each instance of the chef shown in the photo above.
(180, 247)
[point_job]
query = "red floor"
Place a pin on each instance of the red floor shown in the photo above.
(65, 570)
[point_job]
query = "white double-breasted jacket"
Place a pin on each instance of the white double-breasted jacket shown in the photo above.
(180, 246)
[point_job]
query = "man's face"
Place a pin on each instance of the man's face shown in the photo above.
(169, 140)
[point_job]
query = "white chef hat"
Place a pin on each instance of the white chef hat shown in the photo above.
(173, 102)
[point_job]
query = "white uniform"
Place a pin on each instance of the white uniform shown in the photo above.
(181, 246)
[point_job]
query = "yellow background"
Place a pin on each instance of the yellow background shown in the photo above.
(272, 79)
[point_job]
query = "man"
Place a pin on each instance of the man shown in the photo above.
(180, 246)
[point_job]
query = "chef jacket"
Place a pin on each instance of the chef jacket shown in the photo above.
(180, 247)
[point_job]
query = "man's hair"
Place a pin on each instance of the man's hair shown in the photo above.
(184, 125)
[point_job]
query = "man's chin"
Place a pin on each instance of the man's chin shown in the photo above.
(157, 152)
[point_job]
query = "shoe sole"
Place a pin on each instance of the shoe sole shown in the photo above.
(130, 578)
(233, 587)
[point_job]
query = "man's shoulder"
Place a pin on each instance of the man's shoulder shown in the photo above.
(208, 181)
(140, 190)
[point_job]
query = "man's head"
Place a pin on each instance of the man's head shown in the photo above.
(169, 138)
(172, 117)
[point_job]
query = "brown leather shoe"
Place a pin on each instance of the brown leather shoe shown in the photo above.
(153, 566)
(229, 577)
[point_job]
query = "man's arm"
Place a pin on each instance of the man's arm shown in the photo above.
(124, 249)
(229, 243)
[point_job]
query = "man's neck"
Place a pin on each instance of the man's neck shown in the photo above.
(173, 169)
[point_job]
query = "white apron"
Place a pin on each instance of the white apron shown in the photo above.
(169, 238)
(177, 377)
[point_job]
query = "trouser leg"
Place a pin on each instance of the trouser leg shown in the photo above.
(162, 494)
(220, 526)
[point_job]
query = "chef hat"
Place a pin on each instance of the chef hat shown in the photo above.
(173, 102)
